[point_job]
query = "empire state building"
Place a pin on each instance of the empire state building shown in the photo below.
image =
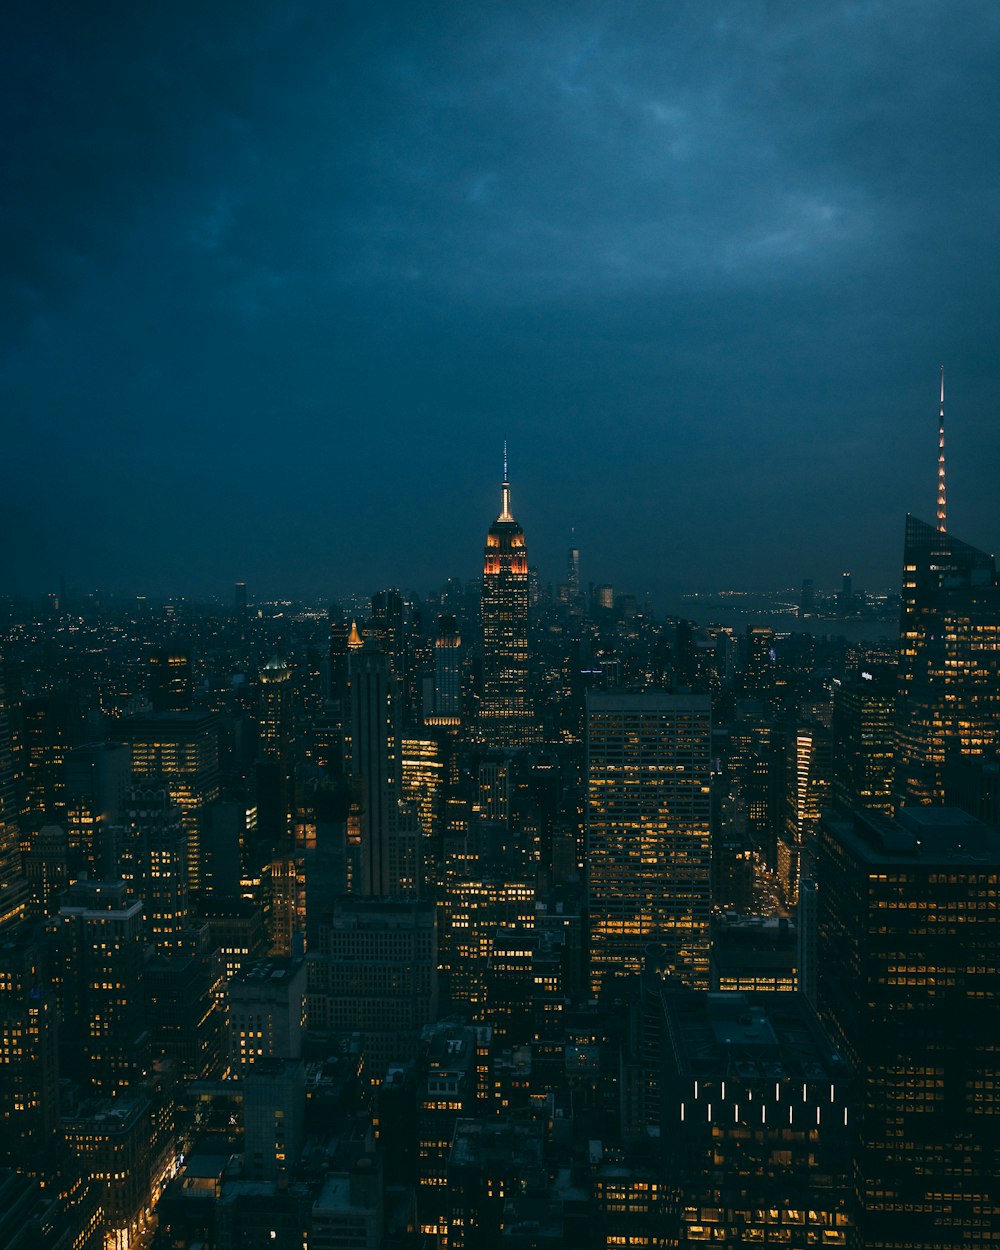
(505, 713)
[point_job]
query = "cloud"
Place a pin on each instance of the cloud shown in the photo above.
(358, 224)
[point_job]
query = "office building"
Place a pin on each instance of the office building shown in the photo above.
(121, 1146)
(909, 980)
(29, 1070)
(350, 1210)
(389, 630)
(756, 1110)
(949, 664)
(183, 749)
(754, 954)
(98, 944)
(274, 788)
(152, 860)
(389, 827)
(375, 970)
(648, 833)
(864, 744)
(266, 1005)
(274, 1108)
(506, 717)
(169, 684)
(807, 795)
(447, 668)
(98, 775)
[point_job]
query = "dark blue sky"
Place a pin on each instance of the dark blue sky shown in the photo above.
(280, 277)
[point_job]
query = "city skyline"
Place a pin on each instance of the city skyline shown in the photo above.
(276, 286)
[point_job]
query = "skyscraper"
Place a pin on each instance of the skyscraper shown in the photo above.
(648, 833)
(273, 776)
(949, 662)
(448, 668)
(97, 964)
(505, 712)
(573, 576)
(169, 680)
(152, 859)
(183, 748)
(907, 956)
(390, 832)
(864, 743)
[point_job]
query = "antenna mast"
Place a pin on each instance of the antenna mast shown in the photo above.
(942, 501)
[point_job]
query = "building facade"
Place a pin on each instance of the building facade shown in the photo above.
(506, 716)
(649, 849)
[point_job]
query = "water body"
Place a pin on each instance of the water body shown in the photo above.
(739, 612)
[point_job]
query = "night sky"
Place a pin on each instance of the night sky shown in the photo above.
(279, 278)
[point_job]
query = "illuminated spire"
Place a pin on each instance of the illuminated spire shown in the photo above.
(942, 501)
(355, 642)
(505, 514)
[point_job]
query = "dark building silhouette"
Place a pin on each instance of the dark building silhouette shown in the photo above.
(909, 980)
(389, 828)
(169, 680)
(29, 1071)
(97, 778)
(755, 1106)
(448, 668)
(949, 666)
(183, 749)
(97, 944)
(864, 743)
(152, 859)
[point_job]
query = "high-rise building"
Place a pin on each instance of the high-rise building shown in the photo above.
(97, 969)
(448, 668)
(121, 1146)
(864, 744)
(265, 1012)
(51, 724)
(949, 666)
(388, 628)
(274, 1102)
(152, 859)
(169, 680)
(649, 848)
(390, 831)
(183, 993)
(182, 748)
(807, 787)
(573, 576)
(759, 663)
(97, 779)
(374, 969)
(29, 1073)
(273, 777)
(908, 959)
(505, 713)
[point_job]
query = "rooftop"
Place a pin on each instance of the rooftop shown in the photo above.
(944, 836)
(750, 1037)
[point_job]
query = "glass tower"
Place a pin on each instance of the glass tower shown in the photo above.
(949, 661)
